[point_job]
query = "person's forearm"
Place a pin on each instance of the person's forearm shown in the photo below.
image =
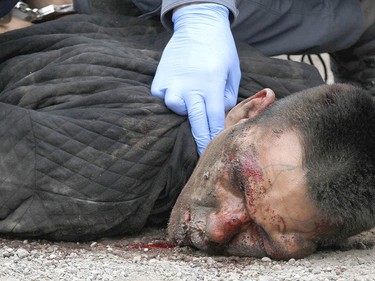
(169, 5)
(291, 26)
(185, 5)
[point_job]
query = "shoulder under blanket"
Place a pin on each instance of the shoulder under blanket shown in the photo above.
(85, 150)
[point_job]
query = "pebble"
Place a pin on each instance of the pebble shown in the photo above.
(7, 254)
(265, 278)
(137, 259)
(22, 253)
(361, 260)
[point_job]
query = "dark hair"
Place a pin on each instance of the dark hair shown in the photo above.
(336, 125)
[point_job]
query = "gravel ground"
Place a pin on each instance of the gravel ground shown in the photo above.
(147, 256)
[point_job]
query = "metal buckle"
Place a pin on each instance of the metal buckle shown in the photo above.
(23, 11)
(52, 11)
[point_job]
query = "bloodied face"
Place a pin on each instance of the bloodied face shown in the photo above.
(248, 197)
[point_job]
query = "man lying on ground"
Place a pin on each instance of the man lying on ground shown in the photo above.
(280, 181)
(87, 152)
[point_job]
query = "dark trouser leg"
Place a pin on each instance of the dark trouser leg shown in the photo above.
(356, 65)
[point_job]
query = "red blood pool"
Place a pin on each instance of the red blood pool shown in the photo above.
(160, 245)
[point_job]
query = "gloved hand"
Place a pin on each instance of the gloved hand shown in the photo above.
(199, 71)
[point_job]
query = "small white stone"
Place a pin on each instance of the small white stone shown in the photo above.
(22, 253)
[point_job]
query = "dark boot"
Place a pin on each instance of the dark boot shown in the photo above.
(356, 65)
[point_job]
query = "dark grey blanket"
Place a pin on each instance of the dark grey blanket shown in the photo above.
(85, 150)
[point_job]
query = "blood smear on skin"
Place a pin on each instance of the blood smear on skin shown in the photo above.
(253, 169)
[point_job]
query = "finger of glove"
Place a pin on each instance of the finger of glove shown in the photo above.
(175, 102)
(166, 70)
(157, 92)
(196, 108)
(232, 86)
(157, 89)
(215, 112)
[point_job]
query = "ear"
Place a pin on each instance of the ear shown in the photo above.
(250, 107)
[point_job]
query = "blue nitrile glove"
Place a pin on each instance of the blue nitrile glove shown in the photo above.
(199, 71)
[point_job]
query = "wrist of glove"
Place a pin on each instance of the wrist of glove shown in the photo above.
(202, 14)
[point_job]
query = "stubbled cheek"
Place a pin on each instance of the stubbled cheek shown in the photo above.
(253, 193)
(279, 222)
(289, 246)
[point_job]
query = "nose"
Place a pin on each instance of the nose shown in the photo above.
(223, 225)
